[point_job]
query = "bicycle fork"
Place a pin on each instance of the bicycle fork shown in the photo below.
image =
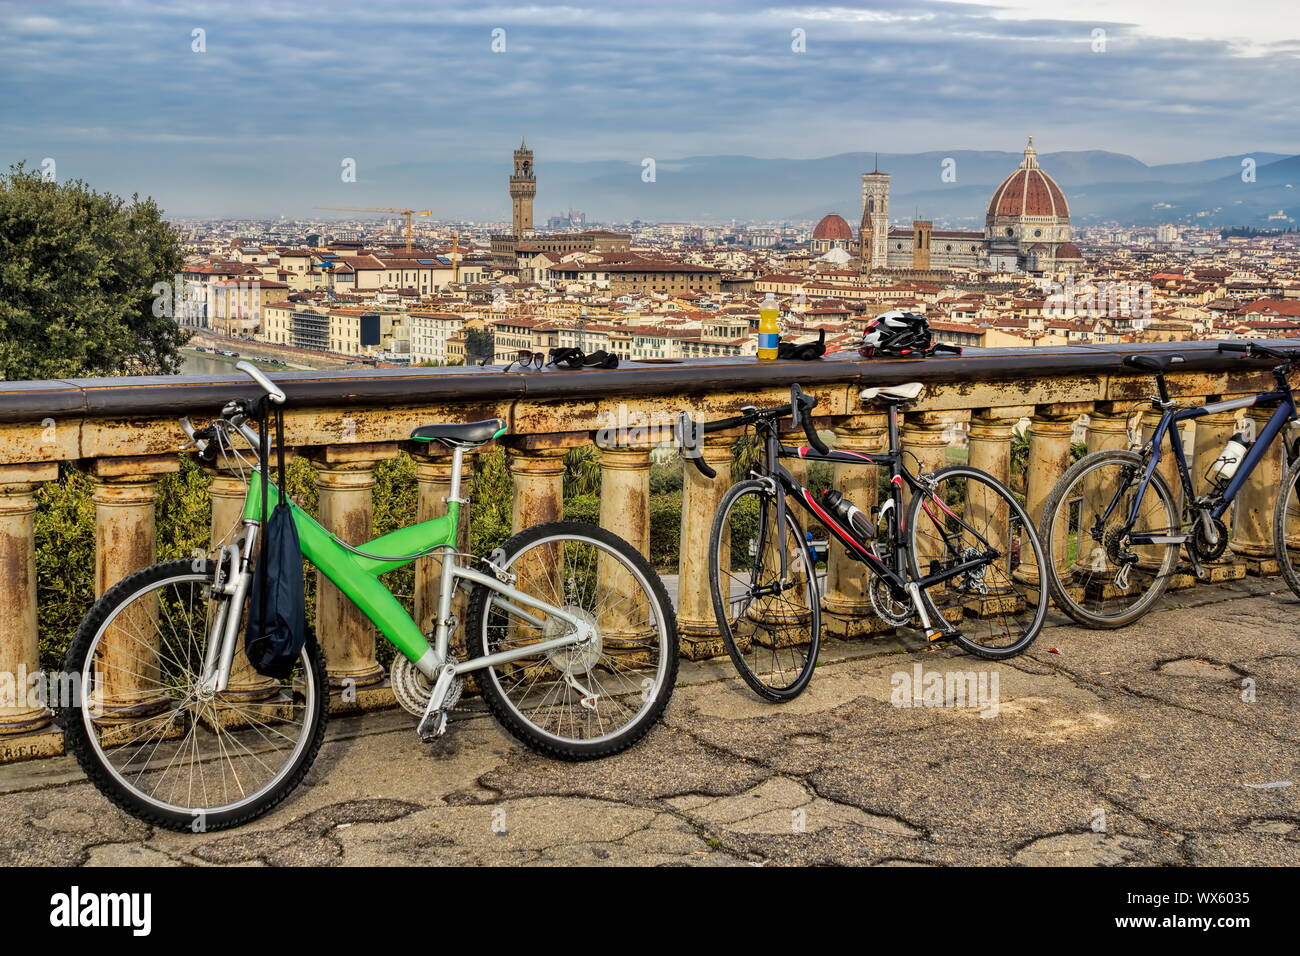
(231, 584)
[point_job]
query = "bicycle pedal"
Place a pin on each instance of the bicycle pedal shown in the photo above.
(432, 726)
(935, 635)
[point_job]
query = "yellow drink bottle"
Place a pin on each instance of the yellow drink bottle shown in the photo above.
(769, 335)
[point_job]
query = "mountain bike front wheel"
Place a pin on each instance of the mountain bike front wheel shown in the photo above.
(585, 700)
(147, 734)
(997, 604)
(771, 624)
(1098, 574)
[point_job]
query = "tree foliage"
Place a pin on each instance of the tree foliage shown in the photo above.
(479, 344)
(77, 276)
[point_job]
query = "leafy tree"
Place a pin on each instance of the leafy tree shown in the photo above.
(77, 276)
(479, 344)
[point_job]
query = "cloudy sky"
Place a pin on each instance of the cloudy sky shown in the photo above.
(281, 92)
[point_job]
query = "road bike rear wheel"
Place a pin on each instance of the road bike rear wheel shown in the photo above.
(1096, 574)
(1286, 528)
(772, 628)
(585, 700)
(995, 606)
(147, 734)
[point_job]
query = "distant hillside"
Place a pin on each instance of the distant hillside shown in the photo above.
(1098, 184)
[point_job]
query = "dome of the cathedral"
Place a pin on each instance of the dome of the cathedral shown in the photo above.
(1029, 191)
(832, 227)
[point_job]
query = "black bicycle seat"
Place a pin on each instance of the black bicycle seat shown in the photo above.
(470, 433)
(1153, 363)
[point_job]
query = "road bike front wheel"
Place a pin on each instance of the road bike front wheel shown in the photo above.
(152, 739)
(770, 625)
(1096, 572)
(1286, 528)
(969, 518)
(585, 700)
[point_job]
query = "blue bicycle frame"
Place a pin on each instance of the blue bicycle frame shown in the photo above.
(1285, 413)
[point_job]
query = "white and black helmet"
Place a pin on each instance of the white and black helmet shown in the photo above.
(899, 333)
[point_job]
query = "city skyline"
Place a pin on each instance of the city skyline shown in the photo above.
(261, 114)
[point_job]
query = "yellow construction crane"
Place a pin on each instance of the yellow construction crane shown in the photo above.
(408, 213)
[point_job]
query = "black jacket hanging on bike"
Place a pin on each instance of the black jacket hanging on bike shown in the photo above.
(277, 619)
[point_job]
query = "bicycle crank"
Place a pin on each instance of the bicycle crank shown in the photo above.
(412, 688)
(442, 697)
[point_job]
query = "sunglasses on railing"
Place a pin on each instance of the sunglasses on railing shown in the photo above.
(560, 358)
(526, 358)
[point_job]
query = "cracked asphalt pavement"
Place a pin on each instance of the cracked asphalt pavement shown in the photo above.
(1172, 742)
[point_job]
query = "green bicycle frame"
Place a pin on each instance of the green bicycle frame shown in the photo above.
(358, 576)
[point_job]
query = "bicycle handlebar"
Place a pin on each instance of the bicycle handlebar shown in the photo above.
(272, 390)
(802, 403)
(689, 432)
(1255, 350)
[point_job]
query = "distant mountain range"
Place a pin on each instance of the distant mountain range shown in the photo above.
(1099, 186)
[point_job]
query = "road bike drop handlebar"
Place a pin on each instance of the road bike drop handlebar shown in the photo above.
(690, 433)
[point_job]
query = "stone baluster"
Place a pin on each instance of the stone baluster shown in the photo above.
(345, 480)
(125, 490)
(922, 435)
(1050, 431)
(990, 451)
(19, 646)
(846, 606)
(536, 464)
(624, 510)
(1253, 520)
(433, 485)
(697, 627)
(1108, 427)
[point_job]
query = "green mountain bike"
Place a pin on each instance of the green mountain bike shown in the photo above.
(568, 628)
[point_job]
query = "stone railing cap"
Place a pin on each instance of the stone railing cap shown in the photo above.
(163, 396)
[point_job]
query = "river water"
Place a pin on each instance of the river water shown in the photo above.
(203, 363)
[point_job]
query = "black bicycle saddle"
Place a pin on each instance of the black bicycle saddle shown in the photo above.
(1153, 363)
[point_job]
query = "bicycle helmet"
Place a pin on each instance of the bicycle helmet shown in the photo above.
(898, 333)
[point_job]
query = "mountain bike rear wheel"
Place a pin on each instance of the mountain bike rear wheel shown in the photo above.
(585, 700)
(996, 607)
(772, 628)
(1097, 574)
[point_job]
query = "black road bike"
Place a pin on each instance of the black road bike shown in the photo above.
(942, 551)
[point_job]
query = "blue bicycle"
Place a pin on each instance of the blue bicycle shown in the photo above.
(1112, 527)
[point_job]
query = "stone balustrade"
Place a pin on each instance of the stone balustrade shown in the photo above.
(123, 434)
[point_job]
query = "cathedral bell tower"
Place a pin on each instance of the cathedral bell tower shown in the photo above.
(873, 235)
(523, 187)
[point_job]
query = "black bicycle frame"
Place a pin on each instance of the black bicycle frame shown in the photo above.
(898, 476)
